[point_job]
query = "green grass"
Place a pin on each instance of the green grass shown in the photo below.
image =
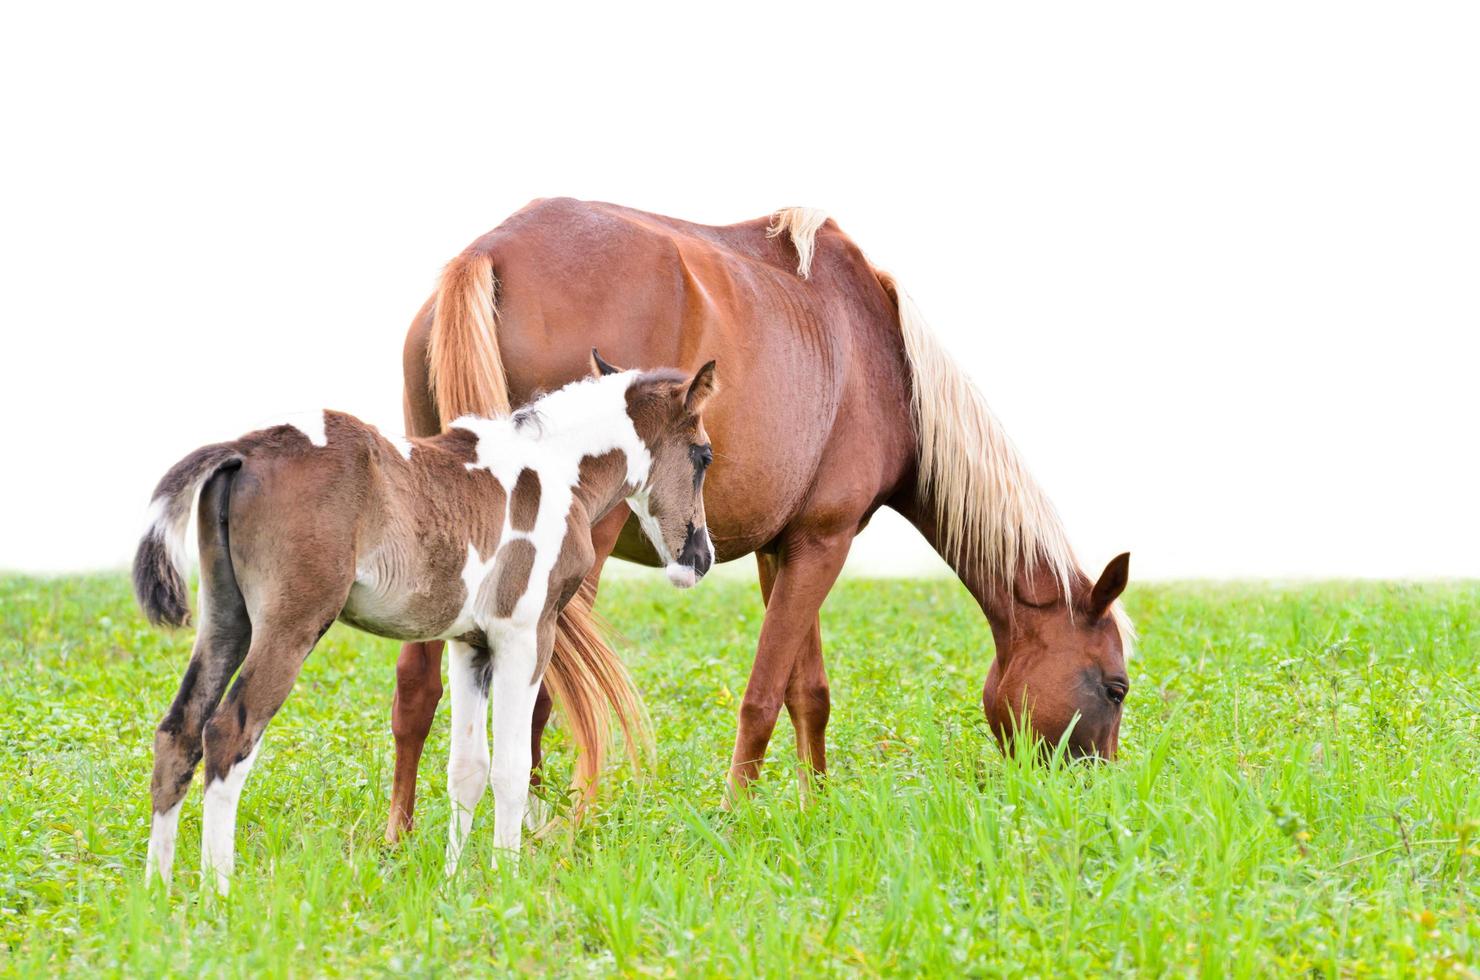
(1299, 791)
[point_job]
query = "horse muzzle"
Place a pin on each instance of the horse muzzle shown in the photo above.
(694, 560)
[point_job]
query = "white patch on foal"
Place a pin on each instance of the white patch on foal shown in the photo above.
(218, 830)
(586, 418)
(515, 688)
(638, 502)
(162, 832)
(402, 444)
(310, 423)
(467, 762)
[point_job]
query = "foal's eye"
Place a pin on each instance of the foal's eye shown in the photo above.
(701, 455)
(1116, 691)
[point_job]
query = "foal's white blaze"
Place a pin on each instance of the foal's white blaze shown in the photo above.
(649, 524)
(162, 832)
(467, 763)
(218, 830)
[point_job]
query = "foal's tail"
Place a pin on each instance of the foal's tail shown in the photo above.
(159, 562)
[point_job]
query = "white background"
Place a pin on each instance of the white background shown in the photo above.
(1216, 269)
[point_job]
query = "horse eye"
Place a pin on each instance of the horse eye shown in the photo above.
(701, 455)
(1116, 691)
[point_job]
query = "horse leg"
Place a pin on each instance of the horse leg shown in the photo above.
(220, 644)
(280, 645)
(468, 671)
(806, 567)
(809, 702)
(807, 697)
(515, 687)
(604, 534)
(418, 689)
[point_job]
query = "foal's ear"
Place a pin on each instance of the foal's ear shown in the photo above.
(599, 368)
(701, 389)
(1111, 584)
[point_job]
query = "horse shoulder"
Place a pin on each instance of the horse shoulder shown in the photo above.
(574, 562)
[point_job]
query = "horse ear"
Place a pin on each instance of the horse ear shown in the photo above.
(599, 368)
(701, 389)
(1111, 584)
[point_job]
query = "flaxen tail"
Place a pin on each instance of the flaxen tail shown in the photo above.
(466, 375)
(590, 684)
(159, 562)
(464, 365)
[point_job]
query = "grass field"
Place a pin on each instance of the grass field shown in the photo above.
(1299, 791)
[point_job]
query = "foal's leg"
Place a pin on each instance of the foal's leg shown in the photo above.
(280, 644)
(220, 644)
(808, 565)
(515, 687)
(468, 671)
(808, 699)
(604, 536)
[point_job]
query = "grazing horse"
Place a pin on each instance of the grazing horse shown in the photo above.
(838, 401)
(478, 536)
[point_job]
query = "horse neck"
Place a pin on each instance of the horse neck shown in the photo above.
(584, 428)
(992, 594)
(603, 483)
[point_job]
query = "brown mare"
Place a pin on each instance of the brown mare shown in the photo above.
(478, 536)
(838, 401)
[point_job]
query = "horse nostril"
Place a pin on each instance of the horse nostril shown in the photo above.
(697, 551)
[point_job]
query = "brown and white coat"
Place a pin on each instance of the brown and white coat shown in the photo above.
(478, 536)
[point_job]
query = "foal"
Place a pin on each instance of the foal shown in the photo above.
(479, 536)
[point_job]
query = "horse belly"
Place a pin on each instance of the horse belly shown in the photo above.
(390, 599)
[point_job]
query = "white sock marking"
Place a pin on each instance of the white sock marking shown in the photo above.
(218, 829)
(467, 762)
(162, 831)
(513, 709)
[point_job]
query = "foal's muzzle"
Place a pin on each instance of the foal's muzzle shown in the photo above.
(694, 560)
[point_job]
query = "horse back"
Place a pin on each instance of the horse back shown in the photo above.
(809, 368)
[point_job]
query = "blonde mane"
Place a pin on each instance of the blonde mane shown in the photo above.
(990, 511)
(801, 225)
